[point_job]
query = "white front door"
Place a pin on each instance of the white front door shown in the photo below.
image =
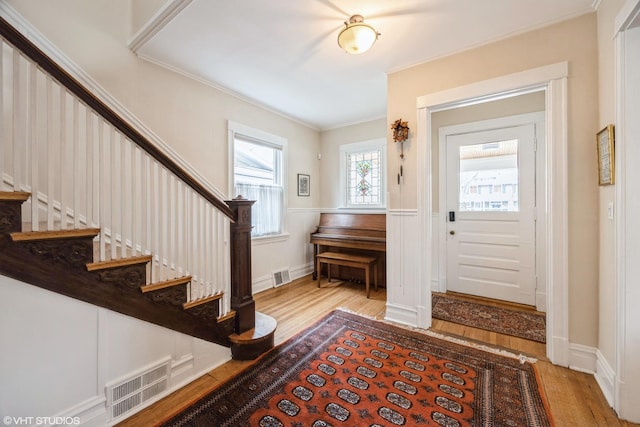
(491, 213)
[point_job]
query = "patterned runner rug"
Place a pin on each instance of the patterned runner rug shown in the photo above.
(530, 326)
(352, 371)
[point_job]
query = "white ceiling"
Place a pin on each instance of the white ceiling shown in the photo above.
(283, 54)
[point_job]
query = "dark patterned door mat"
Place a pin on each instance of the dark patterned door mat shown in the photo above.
(517, 323)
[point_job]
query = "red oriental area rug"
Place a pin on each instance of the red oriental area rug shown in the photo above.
(352, 371)
(517, 323)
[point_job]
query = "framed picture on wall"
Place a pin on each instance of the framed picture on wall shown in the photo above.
(606, 164)
(303, 185)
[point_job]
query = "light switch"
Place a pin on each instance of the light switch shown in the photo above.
(610, 211)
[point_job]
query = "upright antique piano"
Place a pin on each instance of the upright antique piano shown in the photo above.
(363, 234)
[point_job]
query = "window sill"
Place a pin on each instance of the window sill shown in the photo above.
(265, 240)
(376, 209)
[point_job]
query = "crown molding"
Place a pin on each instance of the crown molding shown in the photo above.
(157, 23)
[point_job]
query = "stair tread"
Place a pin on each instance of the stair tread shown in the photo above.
(265, 327)
(101, 265)
(21, 196)
(57, 225)
(231, 314)
(194, 303)
(166, 284)
(21, 236)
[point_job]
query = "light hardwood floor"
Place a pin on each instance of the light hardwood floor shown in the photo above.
(574, 397)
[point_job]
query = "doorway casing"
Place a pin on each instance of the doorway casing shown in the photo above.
(553, 80)
(623, 388)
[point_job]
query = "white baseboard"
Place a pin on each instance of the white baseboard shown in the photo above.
(301, 271)
(605, 377)
(591, 361)
(541, 302)
(185, 374)
(265, 282)
(262, 284)
(582, 358)
(558, 350)
(403, 315)
(182, 369)
(92, 412)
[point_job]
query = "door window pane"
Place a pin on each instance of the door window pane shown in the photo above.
(489, 177)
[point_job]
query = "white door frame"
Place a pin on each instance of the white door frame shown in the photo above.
(627, 153)
(553, 80)
(536, 118)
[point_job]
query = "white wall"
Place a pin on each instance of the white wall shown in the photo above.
(86, 347)
(291, 252)
(58, 354)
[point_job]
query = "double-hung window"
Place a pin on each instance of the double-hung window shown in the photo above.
(258, 174)
(363, 174)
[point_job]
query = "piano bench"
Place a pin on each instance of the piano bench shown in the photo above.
(348, 260)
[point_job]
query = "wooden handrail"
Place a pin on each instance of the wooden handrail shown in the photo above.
(13, 36)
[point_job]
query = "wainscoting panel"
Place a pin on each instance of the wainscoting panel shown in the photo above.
(437, 270)
(291, 251)
(404, 268)
(57, 340)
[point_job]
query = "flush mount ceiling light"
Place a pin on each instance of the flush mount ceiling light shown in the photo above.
(357, 37)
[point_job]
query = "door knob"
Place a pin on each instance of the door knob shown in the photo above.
(452, 232)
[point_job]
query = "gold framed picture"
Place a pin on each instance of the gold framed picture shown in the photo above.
(606, 165)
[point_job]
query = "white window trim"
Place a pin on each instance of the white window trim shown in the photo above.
(358, 147)
(235, 128)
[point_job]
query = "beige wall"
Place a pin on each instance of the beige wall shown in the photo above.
(573, 41)
(330, 142)
(142, 11)
(607, 12)
(187, 115)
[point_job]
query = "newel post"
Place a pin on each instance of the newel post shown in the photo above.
(241, 293)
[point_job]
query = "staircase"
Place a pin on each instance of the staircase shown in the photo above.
(62, 261)
(92, 209)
